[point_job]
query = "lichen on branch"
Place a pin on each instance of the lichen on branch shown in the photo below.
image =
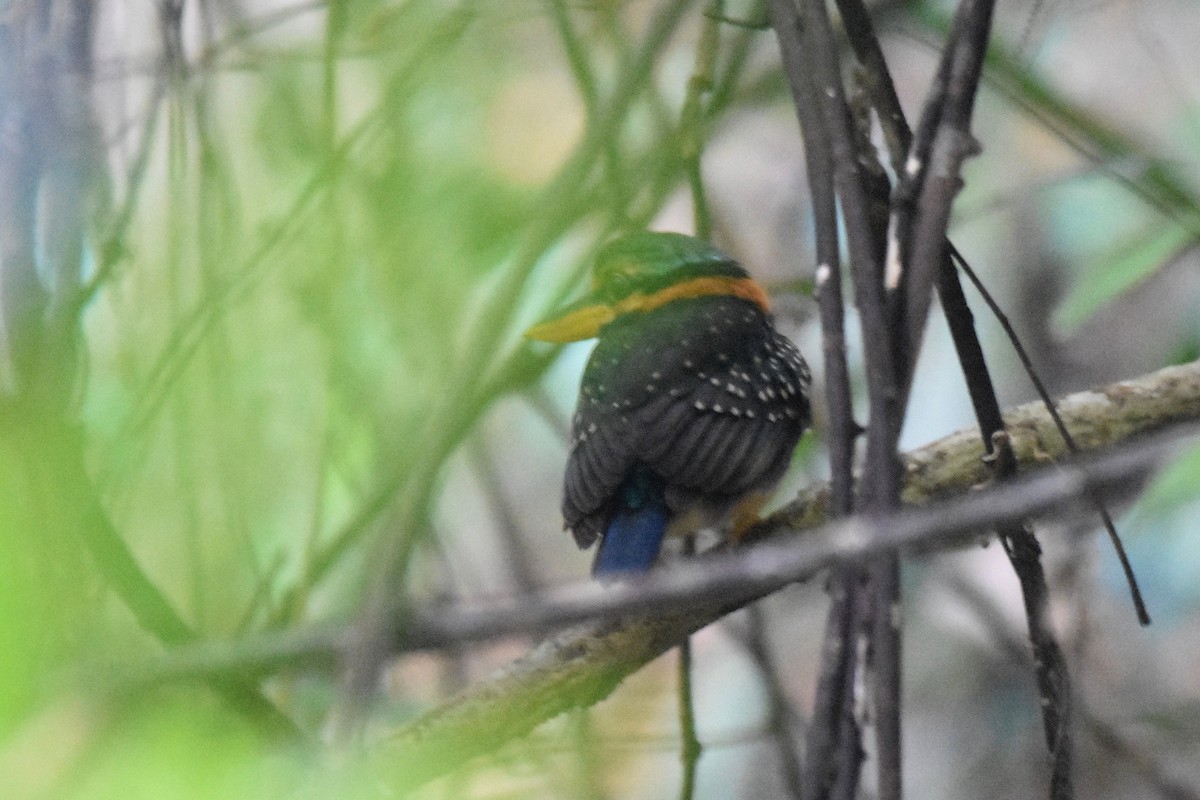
(583, 664)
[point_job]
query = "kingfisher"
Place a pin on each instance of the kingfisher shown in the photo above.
(690, 405)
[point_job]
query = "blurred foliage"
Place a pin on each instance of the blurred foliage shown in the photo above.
(326, 226)
(1174, 486)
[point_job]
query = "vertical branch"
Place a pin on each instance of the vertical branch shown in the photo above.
(864, 259)
(691, 149)
(934, 169)
(1050, 668)
(848, 757)
(691, 749)
(885, 659)
(949, 104)
(818, 155)
(691, 126)
(885, 362)
(834, 742)
(829, 725)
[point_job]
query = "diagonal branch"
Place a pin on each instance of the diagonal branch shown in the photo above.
(582, 665)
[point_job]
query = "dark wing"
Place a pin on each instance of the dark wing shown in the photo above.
(601, 458)
(705, 392)
(736, 427)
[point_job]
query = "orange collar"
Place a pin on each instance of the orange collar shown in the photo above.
(584, 321)
(709, 285)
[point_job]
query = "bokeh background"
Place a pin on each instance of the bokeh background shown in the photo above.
(292, 245)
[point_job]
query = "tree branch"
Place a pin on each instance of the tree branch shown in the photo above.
(582, 665)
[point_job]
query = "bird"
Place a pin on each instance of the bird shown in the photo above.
(690, 406)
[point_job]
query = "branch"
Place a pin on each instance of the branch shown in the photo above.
(886, 372)
(582, 665)
(943, 141)
(949, 467)
(1097, 418)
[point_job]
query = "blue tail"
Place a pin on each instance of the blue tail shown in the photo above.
(635, 533)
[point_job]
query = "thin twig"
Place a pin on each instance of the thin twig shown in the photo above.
(691, 124)
(1103, 733)
(690, 747)
(1155, 180)
(149, 606)
(1039, 386)
(692, 149)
